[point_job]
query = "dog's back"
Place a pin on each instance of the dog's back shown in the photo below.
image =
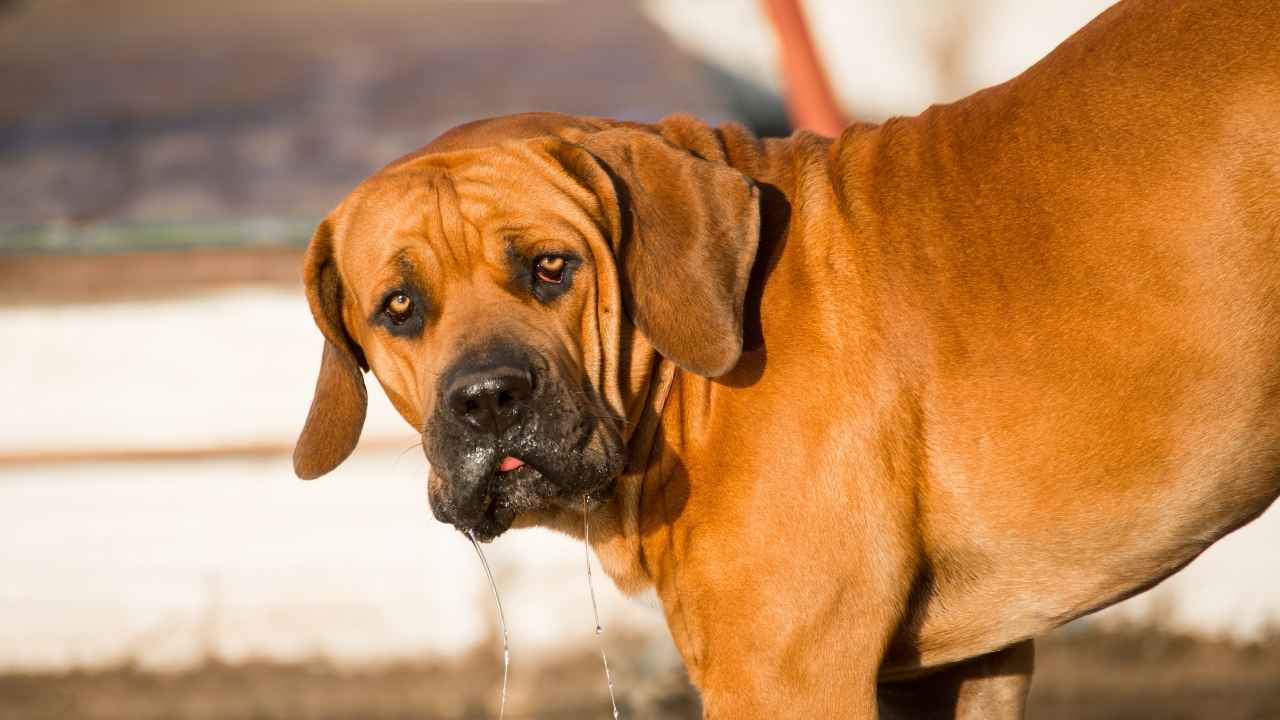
(1092, 254)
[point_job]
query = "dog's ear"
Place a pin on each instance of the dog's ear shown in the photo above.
(338, 408)
(685, 235)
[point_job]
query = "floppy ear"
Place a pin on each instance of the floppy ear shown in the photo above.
(686, 233)
(338, 408)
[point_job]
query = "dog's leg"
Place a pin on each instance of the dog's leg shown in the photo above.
(819, 674)
(991, 687)
(763, 667)
(995, 687)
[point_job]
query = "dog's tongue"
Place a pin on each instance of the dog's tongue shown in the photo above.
(509, 463)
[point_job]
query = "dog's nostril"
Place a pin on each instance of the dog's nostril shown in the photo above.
(491, 400)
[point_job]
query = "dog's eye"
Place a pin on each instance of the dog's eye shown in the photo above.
(549, 269)
(398, 308)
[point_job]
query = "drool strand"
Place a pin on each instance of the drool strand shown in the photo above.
(502, 619)
(595, 611)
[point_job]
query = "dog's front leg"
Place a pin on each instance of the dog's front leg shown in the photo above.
(813, 664)
(791, 633)
(989, 687)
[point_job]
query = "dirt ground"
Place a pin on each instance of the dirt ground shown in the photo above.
(1123, 674)
(1144, 673)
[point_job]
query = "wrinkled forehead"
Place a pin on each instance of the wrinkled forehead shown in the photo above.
(448, 203)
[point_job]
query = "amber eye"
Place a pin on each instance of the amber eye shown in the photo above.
(549, 269)
(399, 307)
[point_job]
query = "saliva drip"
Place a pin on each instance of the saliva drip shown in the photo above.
(502, 619)
(595, 611)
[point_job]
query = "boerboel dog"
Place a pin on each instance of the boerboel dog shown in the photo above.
(869, 414)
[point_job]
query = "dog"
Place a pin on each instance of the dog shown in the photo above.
(871, 413)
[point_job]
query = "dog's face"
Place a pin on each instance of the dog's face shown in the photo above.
(492, 284)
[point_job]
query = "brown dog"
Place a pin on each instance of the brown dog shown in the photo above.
(869, 414)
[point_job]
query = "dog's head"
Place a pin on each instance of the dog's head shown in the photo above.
(493, 282)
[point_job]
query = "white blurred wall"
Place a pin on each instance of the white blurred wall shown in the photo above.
(167, 562)
(883, 56)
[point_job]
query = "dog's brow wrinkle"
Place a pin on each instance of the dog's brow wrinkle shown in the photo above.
(471, 231)
(436, 223)
(446, 220)
(581, 197)
(450, 202)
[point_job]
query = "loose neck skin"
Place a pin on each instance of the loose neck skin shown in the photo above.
(673, 412)
(707, 490)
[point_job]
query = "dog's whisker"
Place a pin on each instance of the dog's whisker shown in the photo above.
(415, 446)
(595, 610)
(400, 456)
(502, 620)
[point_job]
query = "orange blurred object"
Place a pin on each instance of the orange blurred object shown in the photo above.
(811, 104)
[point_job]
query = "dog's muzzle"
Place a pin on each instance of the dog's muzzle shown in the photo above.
(509, 437)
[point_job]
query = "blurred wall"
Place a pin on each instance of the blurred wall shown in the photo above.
(150, 511)
(884, 57)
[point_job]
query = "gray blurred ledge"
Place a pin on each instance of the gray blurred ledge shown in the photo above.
(110, 262)
(117, 237)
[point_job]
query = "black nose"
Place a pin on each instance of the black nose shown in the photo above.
(490, 400)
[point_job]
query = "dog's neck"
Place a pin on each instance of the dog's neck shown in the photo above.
(664, 402)
(666, 410)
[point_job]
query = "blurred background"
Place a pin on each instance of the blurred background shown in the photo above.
(161, 167)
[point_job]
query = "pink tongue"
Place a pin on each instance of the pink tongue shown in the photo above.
(509, 463)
